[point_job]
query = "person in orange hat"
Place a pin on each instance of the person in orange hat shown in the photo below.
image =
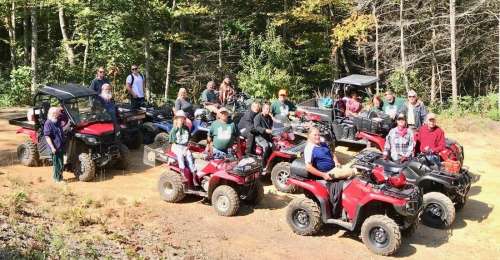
(282, 106)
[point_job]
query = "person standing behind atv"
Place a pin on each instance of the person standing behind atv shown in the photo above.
(54, 135)
(221, 134)
(392, 104)
(282, 106)
(246, 127)
(182, 103)
(353, 104)
(414, 110)
(226, 90)
(106, 97)
(99, 80)
(430, 138)
(209, 98)
(263, 124)
(323, 165)
(135, 87)
(179, 138)
(376, 105)
(399, 143)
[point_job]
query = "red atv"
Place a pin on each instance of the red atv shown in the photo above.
(91, 141)
(380, 208)
(285, 150)
(223, 180)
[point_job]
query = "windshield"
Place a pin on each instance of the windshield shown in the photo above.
(87, 110)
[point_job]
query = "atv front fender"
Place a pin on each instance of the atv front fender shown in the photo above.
(31, 133)
(223, 177)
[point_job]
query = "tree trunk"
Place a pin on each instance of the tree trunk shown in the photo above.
(85, 56)
(67, 47)
(34, 46)
(454, 89)
(147, 57)
(344, 60)
(498, 62)
(402, 41)
(10, 24)
(169, 62)
(376, 47)
(25, 35)
(219, 28)
(434, 67)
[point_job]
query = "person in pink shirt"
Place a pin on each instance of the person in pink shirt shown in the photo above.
(353, 104)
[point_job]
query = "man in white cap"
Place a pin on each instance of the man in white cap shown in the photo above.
(414, 110)
(221, 134)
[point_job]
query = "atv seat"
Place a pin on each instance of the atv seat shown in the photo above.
(298, 169)
(390, 166)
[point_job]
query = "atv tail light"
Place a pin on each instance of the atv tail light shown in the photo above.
(378, 174)
(398, 181)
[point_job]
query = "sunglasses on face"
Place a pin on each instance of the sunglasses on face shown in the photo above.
(101, 71)
(411, 96)
(134, 68)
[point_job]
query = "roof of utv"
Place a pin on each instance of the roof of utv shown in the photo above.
(68, 91)
(357, 80)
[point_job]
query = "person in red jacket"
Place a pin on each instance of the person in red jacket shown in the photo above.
(430, 138)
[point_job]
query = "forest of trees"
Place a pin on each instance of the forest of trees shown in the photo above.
(448, 51)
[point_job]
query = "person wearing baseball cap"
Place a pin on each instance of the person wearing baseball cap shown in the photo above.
(414, 110)
(430, 137)
(179, 138)
(282, 106)
(392, 104)
(221, 134)
(399, 143)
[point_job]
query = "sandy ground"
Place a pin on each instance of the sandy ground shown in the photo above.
(262, 232)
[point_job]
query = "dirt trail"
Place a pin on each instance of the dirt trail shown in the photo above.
(262, 233)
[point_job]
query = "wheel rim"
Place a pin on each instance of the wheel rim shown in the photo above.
(223, 203)
(379, 237)
(435, 212)
(22, 154)
(301, 218)
(168, 188)
(282, 177)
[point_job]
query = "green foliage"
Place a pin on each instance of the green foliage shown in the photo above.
(17, 90)
(396, 82)
(266, 68)
(485, 106)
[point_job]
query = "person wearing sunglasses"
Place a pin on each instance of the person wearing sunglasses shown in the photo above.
(99, 81)
(135, 87)
(414, 110)
(282, 107)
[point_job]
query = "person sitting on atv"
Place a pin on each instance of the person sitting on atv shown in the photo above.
(54, 136)
(179, 138)
(221, 134)
(414, 110)
(353, 104)
(399, 143)
(209, 98)
(246, 126)
(282, 106)
(263, 124)
(392, 104)
(323, 165)
(182, 103)
(106, 97)
(226, 90)
(376, 105)
(430, 139)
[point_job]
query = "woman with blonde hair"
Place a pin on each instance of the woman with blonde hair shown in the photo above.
(182, 102)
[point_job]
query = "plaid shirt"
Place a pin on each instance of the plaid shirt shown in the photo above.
(398, 145)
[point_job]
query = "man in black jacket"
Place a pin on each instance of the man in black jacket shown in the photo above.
(246, 127)
(263, 124)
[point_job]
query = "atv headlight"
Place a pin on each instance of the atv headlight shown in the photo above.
(88, 139)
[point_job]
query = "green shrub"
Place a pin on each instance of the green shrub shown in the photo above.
(17, 91)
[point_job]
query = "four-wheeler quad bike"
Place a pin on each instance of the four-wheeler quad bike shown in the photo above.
(381, 209)
(443, 190)
(364, 129)
(131, 122)
(285, 149)
(91, 139)
(224, 181)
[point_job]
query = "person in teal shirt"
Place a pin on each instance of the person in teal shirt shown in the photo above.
(222, 134)
(392, 105)
(282, 107)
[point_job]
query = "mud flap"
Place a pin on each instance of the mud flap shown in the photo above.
(335, 190)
